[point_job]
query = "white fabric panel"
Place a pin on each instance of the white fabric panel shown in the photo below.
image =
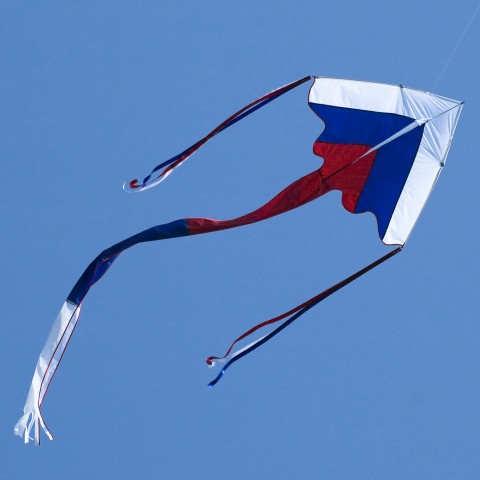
(376, 97)
(425, 105)
(441, 116)
(431, 156)
(47, 363)
(415, 193)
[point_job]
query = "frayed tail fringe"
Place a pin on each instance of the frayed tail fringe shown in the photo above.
(31, 420)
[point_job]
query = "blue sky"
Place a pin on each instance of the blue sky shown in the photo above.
(379, 381)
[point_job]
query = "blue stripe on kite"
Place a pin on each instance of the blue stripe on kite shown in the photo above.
(361, 127)
(388, 176)
(102, 263)
(393, 161)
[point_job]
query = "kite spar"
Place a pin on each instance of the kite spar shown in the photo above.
(384, 147)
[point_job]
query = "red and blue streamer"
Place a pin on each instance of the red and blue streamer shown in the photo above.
(169, 165)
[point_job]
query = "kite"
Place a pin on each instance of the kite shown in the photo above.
(384, 147)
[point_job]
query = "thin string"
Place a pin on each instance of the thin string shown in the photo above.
(456, 46)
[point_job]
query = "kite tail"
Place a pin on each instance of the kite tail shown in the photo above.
(47, 364)
(157, 175)
(302, 191)
(295, 313)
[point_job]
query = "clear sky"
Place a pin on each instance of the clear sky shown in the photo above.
(381, 381)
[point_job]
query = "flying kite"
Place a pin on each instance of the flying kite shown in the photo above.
(384, 147)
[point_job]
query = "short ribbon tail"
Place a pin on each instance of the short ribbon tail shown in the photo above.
(162, 171)
(213, 359)
(294, 314)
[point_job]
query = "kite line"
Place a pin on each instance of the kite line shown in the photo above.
(457, 46)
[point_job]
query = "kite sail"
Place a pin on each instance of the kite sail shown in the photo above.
(383, 146)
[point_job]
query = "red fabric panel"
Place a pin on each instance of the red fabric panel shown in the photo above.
(339, 171)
